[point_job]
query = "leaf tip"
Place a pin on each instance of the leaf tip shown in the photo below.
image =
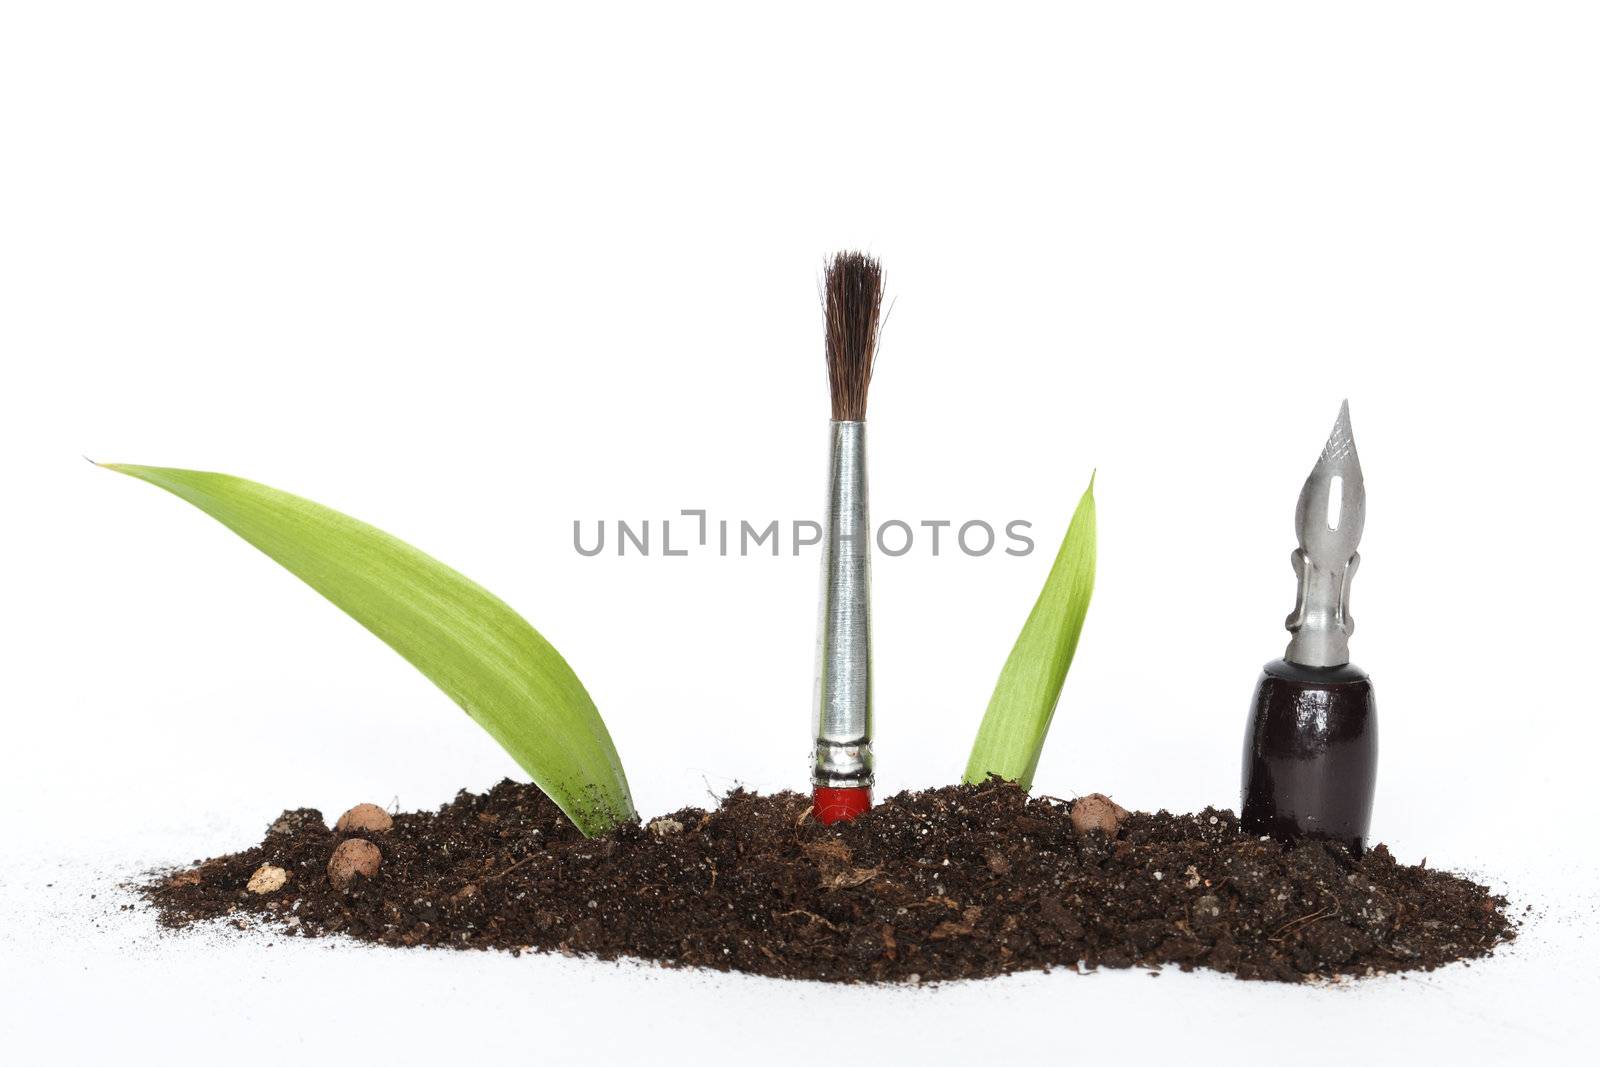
(132, 470)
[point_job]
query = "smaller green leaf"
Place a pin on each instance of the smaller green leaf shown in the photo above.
(1014, 727)
(462, 637)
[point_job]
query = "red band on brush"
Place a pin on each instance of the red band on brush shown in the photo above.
(839, 805)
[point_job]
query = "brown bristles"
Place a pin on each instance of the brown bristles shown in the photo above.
(852, 294)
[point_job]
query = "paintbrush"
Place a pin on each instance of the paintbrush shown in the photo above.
(841, 775)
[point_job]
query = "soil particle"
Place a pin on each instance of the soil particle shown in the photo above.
(296, 821)
(365, 818)
(960, 882)
(1097, 812)
(267, 879)
(355, 858)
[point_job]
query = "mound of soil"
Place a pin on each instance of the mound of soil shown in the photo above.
(961, 882)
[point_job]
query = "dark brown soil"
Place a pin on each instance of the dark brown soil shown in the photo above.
(961, 882)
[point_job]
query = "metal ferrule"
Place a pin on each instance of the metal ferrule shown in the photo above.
(843, 700)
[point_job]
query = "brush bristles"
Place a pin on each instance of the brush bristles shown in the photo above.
(852, 296)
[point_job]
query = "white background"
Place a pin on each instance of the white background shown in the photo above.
(471, 272)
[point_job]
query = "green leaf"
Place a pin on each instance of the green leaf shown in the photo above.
(463, 638)
(1013, 730)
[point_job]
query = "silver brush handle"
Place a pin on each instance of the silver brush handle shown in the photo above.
(843, 702)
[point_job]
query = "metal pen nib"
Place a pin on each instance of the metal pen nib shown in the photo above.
(1328, 521)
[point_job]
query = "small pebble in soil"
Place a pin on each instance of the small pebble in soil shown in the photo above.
(1097, 812)
(365, 818)
(267, 879)
(355, 858)
(965, 881)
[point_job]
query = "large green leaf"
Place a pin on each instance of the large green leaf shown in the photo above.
(1013, 730)
(466, 640)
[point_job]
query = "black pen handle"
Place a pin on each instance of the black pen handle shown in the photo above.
(1311, 754)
